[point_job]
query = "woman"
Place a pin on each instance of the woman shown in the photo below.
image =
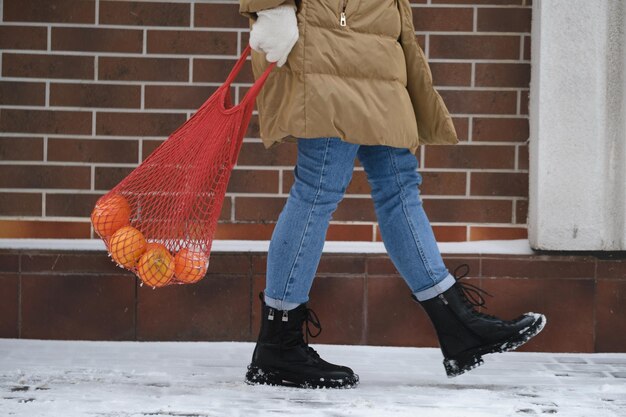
(351, 81)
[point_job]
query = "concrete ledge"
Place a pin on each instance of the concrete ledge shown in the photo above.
(509, 247)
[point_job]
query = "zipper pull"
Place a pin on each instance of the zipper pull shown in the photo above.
(285, 317)
(270, 316)
(443, 299)
(342, 19)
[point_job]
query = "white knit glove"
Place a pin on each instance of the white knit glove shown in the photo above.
(275, 32)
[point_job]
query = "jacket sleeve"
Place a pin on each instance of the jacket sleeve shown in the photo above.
(249, 8)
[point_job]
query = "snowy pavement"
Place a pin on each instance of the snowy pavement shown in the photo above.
(115, 379)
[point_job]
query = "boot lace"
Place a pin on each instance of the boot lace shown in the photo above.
(302, 339)
(471, 293)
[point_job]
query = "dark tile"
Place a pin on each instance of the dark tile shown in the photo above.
(393, 317)
(380, 265)
(9, 262)
(215, 308)
(566, 303)
(341, 264)
(338, 303)
(539, 267)
(9, 302)
(78, 307)
(613, 269)
(71, 263)
(610, 316)
(229, 263)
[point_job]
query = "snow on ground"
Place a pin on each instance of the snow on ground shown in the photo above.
(115, 379)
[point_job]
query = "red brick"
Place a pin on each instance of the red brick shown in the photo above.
(469, 211)
(70, 205)
(97, 39)
(522, 159)
(217, 70)
(47, 66)
(249, 231)
(443, 19)
(23, 37)
(93, 150)
(143, 69)
(20, 204)
(450, 233)
(22, 94)
(503, 19)
(527, 48)
(79, 307)
(218, 15)
(254, 153)
(149, 146)
(43, 229)
(176, 97)
(45, 121)
(451, 74)
(497, 233)
(443, 183)
(480, 102)
(349, 232)
(524, 102)
(521, 211)
(95, 95)
(514, 184)
(21, 149)
(355, 209)
(9, 305)
(471, 156)
(474, 47)
(500, 129)
(138, 124)
(144, 13)
(44, 176)
(262, 209)
(192, 42)
(107, 178)
(461, 125)
(58, 11)
(253, 181)
(502, 75)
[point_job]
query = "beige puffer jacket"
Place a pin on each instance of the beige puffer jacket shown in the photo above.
(367, 82)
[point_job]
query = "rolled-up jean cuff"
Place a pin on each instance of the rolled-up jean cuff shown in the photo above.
(436, 289)
(279, 304)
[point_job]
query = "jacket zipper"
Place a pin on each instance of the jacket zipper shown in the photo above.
(342, 16)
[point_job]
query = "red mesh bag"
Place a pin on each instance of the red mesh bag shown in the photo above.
(159, 221)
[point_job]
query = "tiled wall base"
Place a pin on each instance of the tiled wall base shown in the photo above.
(360, 299)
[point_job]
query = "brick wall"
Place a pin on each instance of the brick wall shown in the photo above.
(88, 88)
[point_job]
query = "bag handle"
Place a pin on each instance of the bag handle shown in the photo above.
(254, 91)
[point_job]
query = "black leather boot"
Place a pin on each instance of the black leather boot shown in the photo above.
(282, 356)
(466, 334)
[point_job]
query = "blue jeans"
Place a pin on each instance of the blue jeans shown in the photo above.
(322, 173)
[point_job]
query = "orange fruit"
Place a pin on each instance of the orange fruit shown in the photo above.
(126, 246)
(110, 214)
(191, 265)
(156, 266)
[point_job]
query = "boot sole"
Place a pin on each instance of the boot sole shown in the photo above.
(473, 358)
(259, 376)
